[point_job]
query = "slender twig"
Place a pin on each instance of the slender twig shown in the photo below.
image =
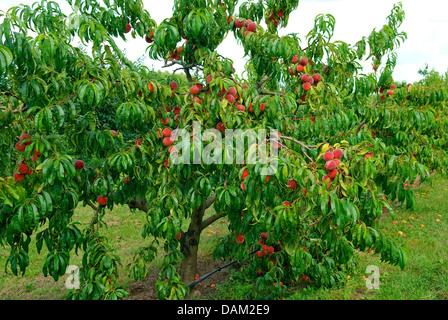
(91, 204)
(271, 93)
(315, 222)
(363, 122)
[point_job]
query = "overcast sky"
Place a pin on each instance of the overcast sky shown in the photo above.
(426, 24)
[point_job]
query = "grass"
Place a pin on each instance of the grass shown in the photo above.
(421, 232)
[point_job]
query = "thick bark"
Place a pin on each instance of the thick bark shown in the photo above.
(190, 245)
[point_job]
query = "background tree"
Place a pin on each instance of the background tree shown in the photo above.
(95, 128)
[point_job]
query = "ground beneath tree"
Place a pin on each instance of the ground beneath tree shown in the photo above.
(146, 289)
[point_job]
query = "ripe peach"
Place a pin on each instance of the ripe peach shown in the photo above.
(173, 85)
(194, 90)
(240, 239)
(292, 71)
(262, 107)
(36, 156)
(338, 153)
(305, 78)
(292, 184)
(209, 79)
(294, 59)
(21, 147)
(239, 24)
(166, 132)
(232, 91)
(317, 77)
(303, 61)
(79, 164)
(245, 174)
(230, 98)
(24, 137)
(241, 107)
(330, 165)
(23, 168)
(306, 86)
(167, 141)
(165, 121)
(101, 200)
(332, 174)
(328, 156)
(220, 126)
(252, 26)
(299, 68)
(128, 28)
(18, 177)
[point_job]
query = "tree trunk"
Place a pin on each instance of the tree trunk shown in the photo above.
(190, 242)
(190, 245)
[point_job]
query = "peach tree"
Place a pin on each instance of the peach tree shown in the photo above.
(93, 128)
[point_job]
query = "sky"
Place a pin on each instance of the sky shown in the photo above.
(426, 24)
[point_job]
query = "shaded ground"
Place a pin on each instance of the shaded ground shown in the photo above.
(146, 289)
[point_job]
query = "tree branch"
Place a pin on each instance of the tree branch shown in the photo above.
(91, 204)
(208, 202)
(212, 219)
(297, 141)
(139, 203)
(363, 122)
(261, 82)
